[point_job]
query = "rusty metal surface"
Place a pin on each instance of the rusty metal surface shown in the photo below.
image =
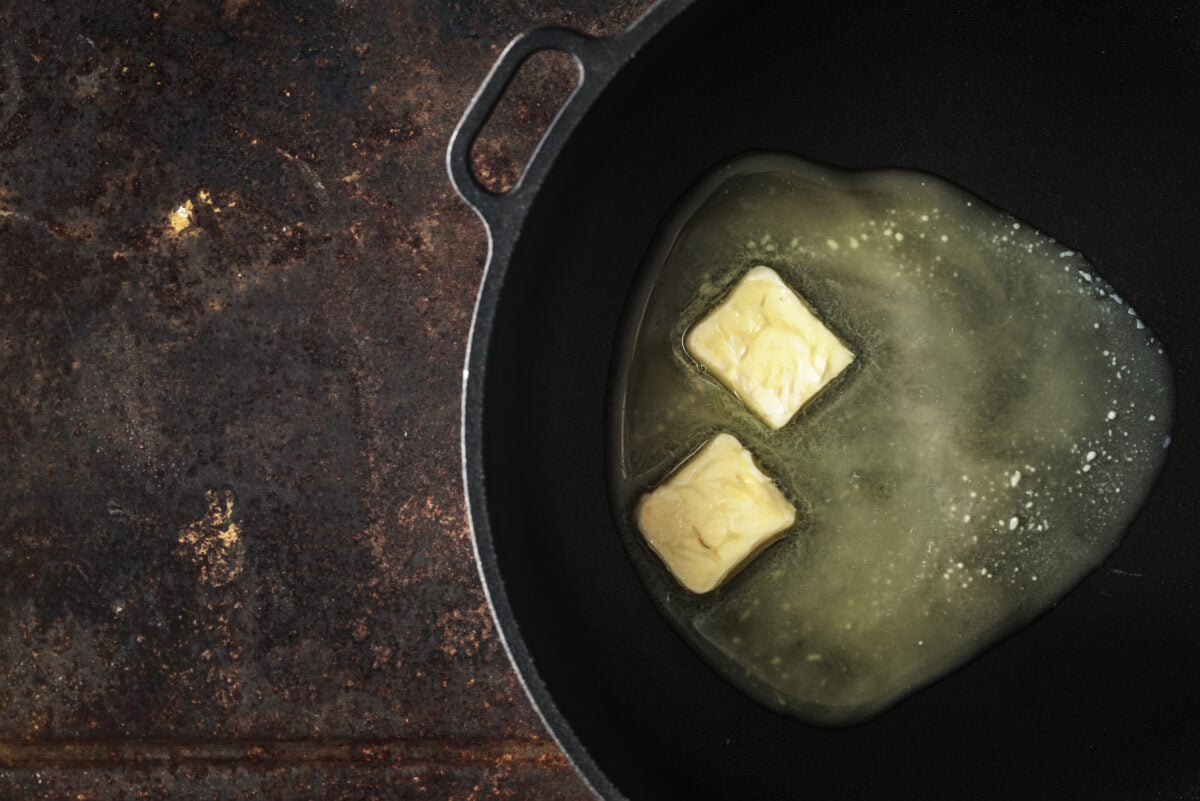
(235, 288)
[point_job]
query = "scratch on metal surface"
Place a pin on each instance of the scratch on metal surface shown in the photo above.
(309, 173)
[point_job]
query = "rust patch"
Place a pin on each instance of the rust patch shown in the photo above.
(214, 542)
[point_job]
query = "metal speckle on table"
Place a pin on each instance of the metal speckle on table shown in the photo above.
(235, 289)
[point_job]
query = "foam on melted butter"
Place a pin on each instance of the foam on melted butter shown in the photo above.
(1004, 419)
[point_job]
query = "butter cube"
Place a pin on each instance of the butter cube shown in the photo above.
(713, 514)
(764, 344)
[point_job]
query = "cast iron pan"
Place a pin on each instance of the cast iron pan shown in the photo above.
(1079, 120)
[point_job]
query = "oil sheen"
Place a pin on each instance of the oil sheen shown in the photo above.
(1002, 422)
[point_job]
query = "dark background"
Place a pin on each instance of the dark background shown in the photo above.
(235, 290)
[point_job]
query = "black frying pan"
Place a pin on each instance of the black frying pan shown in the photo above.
(1080, 120)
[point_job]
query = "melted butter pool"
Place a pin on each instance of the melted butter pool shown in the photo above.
(1002, 423)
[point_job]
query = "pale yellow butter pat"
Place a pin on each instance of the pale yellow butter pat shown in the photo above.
(713, 514)
(763, 343)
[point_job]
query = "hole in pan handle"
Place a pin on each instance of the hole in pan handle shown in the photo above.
(596, 59)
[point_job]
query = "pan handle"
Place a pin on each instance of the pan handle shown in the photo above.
(596, 60)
